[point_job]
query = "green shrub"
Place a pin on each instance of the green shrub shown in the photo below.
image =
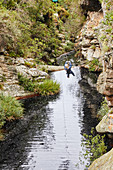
(105, 48)
(10, 109)
(109, 30)
(1, 86)
(3, 78)
(26, 83)
(108, 18)
(9, 4)
(44, 69)
(93, 146)
(94, 64)
(100, 1)
(103, 110)
(30, 64)
(93, 47)
(30, 28)
(48, 87)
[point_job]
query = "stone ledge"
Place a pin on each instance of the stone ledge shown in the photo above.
(51, 68)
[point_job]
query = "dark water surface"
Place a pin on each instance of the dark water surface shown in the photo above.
(53, 139)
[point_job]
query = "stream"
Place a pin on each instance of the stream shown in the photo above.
(52, 141)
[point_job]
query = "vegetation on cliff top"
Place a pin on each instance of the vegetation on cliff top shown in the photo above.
(106, 33)
(31, 28)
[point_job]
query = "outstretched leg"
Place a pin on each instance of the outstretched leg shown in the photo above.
(71, 72)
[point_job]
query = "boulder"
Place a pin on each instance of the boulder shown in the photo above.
(97, 53)
(106, 124)
(105, 162)
(90, 53)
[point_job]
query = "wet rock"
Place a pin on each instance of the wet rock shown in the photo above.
(30, 72)
(64, 56)
(33, 72)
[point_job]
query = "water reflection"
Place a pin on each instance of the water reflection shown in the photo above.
(17, 153)
(64, 165)
(52, 139)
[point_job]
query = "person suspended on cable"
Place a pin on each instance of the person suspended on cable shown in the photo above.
(67, 67)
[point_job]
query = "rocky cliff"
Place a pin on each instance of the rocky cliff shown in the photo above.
(95, 44)
(96, 47)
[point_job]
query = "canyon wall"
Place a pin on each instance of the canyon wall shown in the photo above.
(96, 44)
(96, 47)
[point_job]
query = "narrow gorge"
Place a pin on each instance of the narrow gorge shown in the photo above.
(35, 36)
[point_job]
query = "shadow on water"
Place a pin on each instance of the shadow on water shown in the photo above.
(92, 99)
(49, 137)
(14, 151)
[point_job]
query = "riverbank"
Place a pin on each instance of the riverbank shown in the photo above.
(27, 67)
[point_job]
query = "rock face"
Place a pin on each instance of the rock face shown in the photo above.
(88, 40)
(105, 162)
(105, 85)
(106, 124)
(96, 41)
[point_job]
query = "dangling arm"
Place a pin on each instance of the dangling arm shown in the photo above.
(64, 66)
(70, 65)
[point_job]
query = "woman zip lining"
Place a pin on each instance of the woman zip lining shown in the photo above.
(67, 67)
